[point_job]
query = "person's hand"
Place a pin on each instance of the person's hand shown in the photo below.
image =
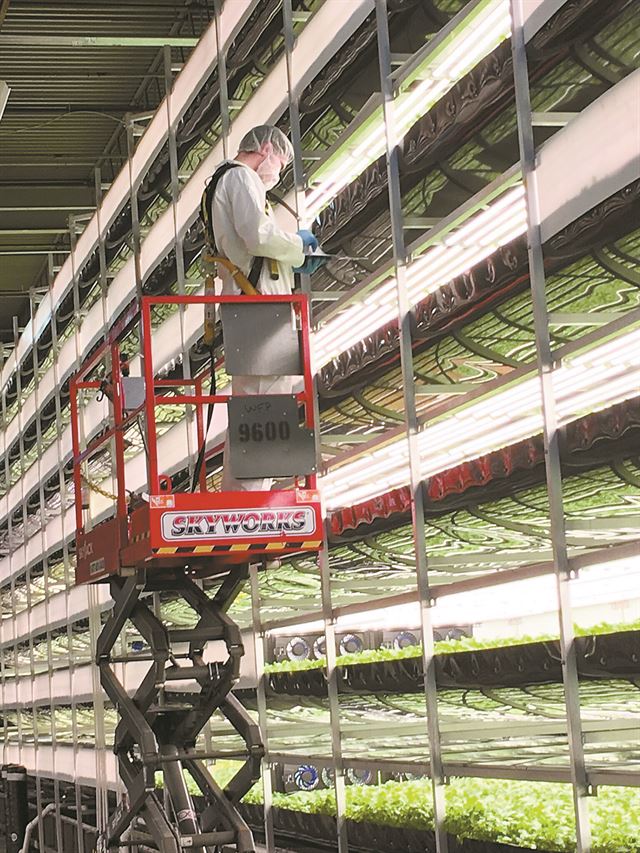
(309, 241)
(310, 265)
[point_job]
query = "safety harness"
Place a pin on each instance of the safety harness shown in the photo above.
(247, 284)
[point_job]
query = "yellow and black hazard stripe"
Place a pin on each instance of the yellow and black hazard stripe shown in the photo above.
(140, 537)
(270, 547)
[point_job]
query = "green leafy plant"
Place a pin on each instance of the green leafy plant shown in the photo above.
(464, 644)
(536, 815)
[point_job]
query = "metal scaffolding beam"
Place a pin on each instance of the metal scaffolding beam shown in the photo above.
(425, 597)
(26, 40)
(581, 786)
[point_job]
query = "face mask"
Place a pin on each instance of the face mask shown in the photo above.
(269, 171)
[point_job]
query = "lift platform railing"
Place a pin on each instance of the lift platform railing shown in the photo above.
(300, 307)
(269, 436)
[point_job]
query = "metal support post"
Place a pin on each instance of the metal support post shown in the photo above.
(69, 581)
(294, 116)
(334, 696)
(7, 477)
(221, 59)
(134, 186)
(412, 428)
(223, 86)
(3, 431)
(23, 470)
(22, 547)
(546, 365)
(135, 212)
(72, 663)
(95, 612)
(323, 556)
(261, 696)
(178, 244)
(65, 547)
(23, 497)
(45, 556)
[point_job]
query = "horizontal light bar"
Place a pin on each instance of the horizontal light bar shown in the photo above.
(608, 584)
(478, 35)
(83, 765)
(592, 381)
(68, 605)
(475, 240)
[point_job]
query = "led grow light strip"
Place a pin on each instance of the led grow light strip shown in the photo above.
(592, 381)
(608, 584)
(478, 37)
(478, 238)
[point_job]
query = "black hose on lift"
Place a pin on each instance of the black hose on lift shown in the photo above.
(203, 446)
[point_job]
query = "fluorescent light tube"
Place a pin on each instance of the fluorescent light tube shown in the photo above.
(612, 585)
(475, 240)
(475, 40)
(605, 375)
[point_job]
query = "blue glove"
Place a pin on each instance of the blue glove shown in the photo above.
(309, 241)
(310, 265)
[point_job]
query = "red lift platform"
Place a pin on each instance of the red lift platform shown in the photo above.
(210, 528)
(149, 541)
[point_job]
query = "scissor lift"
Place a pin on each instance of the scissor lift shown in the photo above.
(157, 540)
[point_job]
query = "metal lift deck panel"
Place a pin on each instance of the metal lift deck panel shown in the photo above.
(219, 530)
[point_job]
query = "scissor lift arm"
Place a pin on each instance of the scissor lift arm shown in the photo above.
(164, 726)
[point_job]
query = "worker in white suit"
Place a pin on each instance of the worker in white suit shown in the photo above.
(246, 233)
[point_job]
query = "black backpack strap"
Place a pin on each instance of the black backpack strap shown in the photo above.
(207, 218)
(207, 200)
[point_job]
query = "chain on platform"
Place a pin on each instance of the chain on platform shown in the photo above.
(96, 488)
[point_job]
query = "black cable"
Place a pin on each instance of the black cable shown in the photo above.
(274, 198)
(201, 452)
(142, 436)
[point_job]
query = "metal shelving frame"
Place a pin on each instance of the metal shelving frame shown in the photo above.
(583, 784)
(53, 759)
(546, 362)
(324, 566)
(426, 600)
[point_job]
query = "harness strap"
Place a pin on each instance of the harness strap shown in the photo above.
(247, 284)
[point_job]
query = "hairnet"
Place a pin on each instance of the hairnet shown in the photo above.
(263, 135)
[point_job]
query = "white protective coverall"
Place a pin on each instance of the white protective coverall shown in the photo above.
(245, 227)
